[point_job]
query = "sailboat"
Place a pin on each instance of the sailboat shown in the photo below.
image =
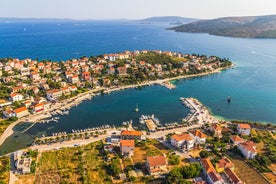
(136, 109)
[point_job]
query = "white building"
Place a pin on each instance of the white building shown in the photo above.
(16, 97)
(199, 137)
(244, 129)
(248, 149)
(54, 94)
(182, 141)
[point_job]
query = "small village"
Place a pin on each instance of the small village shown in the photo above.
(32, 87)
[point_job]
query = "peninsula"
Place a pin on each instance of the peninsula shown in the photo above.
(247, 27)
(32, 90)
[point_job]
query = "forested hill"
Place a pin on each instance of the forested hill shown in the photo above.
(251, 27)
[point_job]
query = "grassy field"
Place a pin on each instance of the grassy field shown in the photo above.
(4, 169)
(151, 148)
(4, 125)
(72, 165)
(30, 178)
(246, 173)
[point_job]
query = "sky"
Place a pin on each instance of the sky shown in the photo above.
(134, 9)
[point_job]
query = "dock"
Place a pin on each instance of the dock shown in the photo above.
(151, 125)
(168, 85)
(188, 102)
(151, 122)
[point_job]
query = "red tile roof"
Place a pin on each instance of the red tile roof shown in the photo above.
(216, 127)
(244, 126)
(131, 133)
(236, 138)
(14, 94)
(129, 143)
(207, 165)
(214, 176)
(19, 110)
(182, 137)
(225, 163)
(156, 161)
(198, 133)
(249, 145)
(233, 177)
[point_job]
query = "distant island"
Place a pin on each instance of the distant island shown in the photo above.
(247, 27)
(173, 20)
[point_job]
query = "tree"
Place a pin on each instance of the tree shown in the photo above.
(204, 154)
(115, 166)
(191, 171)
(173, 160)
(174, 176)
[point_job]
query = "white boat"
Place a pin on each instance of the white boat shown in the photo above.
(136, 109)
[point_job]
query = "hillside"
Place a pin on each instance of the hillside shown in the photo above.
(250, 27)
(168, 19)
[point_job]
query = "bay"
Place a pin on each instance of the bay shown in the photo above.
(251, 84)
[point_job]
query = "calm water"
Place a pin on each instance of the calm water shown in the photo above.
(252, 84)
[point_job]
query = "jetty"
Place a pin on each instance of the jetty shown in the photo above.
(192, 106)
(168, 85)
(151, 122)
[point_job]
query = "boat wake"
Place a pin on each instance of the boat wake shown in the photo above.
(262, 54)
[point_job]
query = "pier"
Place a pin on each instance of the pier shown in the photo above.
(151, 122)
(168, 85)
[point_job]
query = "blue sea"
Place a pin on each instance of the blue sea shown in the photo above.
(251, 84)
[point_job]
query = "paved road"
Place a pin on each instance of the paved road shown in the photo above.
(77, 142)
(159, 134)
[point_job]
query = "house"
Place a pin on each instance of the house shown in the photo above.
(35, 76)
(73, 79)
(223, 164)
(157, 165)
(38, 108)
(248, 149)
(199, 180)
(236, 139)
(35, 90)
(244, 129)
(22, 164)
(108, 147)
(53, 94)
(111, 71)
(198, 136)
(122, 70)
(209, 171)
(86, 76)
(216, 129)
(231, 175)
(8, 113)
(27, 103)
(131, 135)
(17, 89)
(21, 112)
(40, 66)
(127, 147)
(72, 88)
(16, 97)
(25, 71)
(182, 141)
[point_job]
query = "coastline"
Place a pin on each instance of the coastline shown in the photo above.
(68, 103)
